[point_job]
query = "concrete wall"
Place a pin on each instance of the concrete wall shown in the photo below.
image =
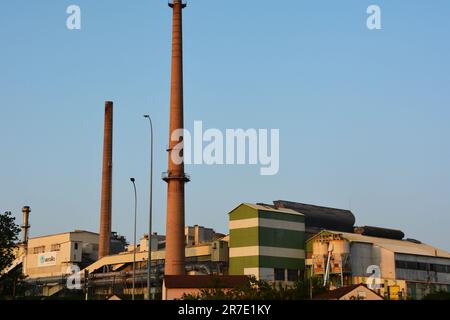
(61, 251)
(197, 235)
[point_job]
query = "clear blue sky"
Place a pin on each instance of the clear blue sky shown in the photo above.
(363, 115)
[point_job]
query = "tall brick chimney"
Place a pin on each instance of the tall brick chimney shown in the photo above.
(175, 176)
(105, 210)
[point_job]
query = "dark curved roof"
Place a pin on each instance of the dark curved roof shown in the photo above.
(380, 232)
(321, 217)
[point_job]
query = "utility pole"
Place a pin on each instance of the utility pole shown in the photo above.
(135, 245)
(149, 259)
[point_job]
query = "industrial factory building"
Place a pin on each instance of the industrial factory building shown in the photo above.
(53, 255)
(396, 268)
(279, 243)
(267, 243)
(48, 261)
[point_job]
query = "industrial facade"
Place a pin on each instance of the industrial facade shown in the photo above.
(264, 241)
(53, 255)
(267, 243)
(408, 269)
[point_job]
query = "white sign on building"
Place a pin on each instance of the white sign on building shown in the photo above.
(47, 259)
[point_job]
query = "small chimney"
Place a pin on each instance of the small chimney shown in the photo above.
(26, 218)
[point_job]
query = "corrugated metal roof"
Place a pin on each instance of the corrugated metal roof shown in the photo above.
(63, 233)
(272, 209)
(397, 246)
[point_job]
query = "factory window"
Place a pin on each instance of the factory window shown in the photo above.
(56, 247)
(37, 250)
(292, 275)
(76, 246)
(279, 274)
(438, 268)
(412, 265)
(422, 266)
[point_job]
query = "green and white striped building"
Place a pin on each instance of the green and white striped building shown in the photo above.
(266, 242)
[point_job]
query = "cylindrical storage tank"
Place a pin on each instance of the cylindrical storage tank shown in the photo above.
(320, 248)
(340, 247)
(320, 251)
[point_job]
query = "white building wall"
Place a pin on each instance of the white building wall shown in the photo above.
(387, 264)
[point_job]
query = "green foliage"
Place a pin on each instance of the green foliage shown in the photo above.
(8, 239)
(9, 283)
(438, 295)
(254, 289)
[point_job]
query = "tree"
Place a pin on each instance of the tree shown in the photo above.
(438, 295)
(254, 289)
(8, 239)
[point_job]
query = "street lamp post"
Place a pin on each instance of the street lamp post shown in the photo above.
(149, 261)
(134, 248)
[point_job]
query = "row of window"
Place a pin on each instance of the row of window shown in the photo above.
(53, 248)
(422, 266)
(37, 250)
(280, 275)
(41, 249)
